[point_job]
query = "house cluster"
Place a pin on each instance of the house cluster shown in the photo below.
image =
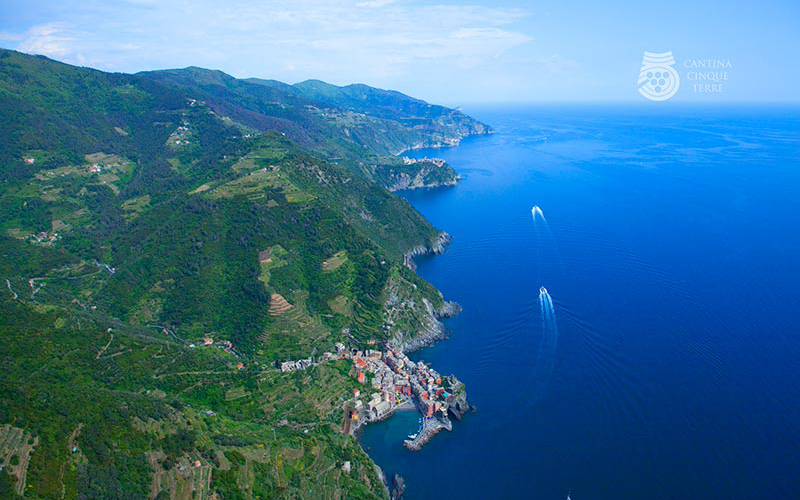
(96, 168)
(395, 379)
(45, 237)
(439, 162)
(225, 345)
(179, 137)
(300, 364)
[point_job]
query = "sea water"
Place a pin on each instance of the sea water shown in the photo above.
(670, 244)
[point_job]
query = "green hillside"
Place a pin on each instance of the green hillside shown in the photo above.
(142, 213)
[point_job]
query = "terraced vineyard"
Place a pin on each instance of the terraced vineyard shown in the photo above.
(141, 214)
(16, 446)
(280, 336)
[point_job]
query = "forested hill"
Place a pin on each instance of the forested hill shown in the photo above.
(140, 214)
(334, 120)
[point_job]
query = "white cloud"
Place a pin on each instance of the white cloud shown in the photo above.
(383, 42)
(375, 3)
(49, 39)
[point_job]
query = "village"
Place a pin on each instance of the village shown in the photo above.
(395, 382)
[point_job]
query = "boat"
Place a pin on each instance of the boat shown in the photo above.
(412, 436)
(543, 290)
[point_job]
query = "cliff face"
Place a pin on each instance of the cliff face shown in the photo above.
(435, 246)
(450, 134)
(396, 173)
(420, 325)
(458, 405)
(420, 173)
(413, 307)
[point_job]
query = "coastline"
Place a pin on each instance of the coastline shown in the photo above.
(430, 425)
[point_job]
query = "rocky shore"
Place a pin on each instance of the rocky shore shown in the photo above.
(435, 246)
(429, 173)
(431, 330)
(449, 140)
(398, 487)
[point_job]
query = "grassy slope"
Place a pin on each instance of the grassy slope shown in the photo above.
(123, 398)
(182, 206)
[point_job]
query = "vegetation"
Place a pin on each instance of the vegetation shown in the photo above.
(142, 213)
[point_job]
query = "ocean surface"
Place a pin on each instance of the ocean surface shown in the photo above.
(669, 365)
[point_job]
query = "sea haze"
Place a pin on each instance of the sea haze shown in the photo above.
(669, 240)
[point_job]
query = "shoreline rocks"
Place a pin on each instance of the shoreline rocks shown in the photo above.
(454, 140)
(432, 331)
(398, 487)
(431, 328)
(435, 246)
(459, 406)
(430, 173)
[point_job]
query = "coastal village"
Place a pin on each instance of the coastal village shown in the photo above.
(391, 381)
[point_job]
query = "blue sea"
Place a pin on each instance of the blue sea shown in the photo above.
(669, 241)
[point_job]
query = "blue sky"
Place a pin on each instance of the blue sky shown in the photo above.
(454, 52)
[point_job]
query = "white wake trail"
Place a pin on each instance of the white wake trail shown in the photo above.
(539, 377)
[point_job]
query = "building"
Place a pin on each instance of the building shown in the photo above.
(381, 408)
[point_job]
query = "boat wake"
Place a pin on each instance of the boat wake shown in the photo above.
(546, 353)
(536, 211)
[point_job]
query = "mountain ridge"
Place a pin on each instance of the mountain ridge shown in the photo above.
(167, 238)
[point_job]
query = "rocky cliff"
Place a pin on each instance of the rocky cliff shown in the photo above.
(413, 307)
(396, 173)
(435, 246)
(451, 133)
(459, 405)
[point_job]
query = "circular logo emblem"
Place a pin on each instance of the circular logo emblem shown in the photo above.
(658, 80)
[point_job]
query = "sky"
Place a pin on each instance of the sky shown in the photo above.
(451, 52)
